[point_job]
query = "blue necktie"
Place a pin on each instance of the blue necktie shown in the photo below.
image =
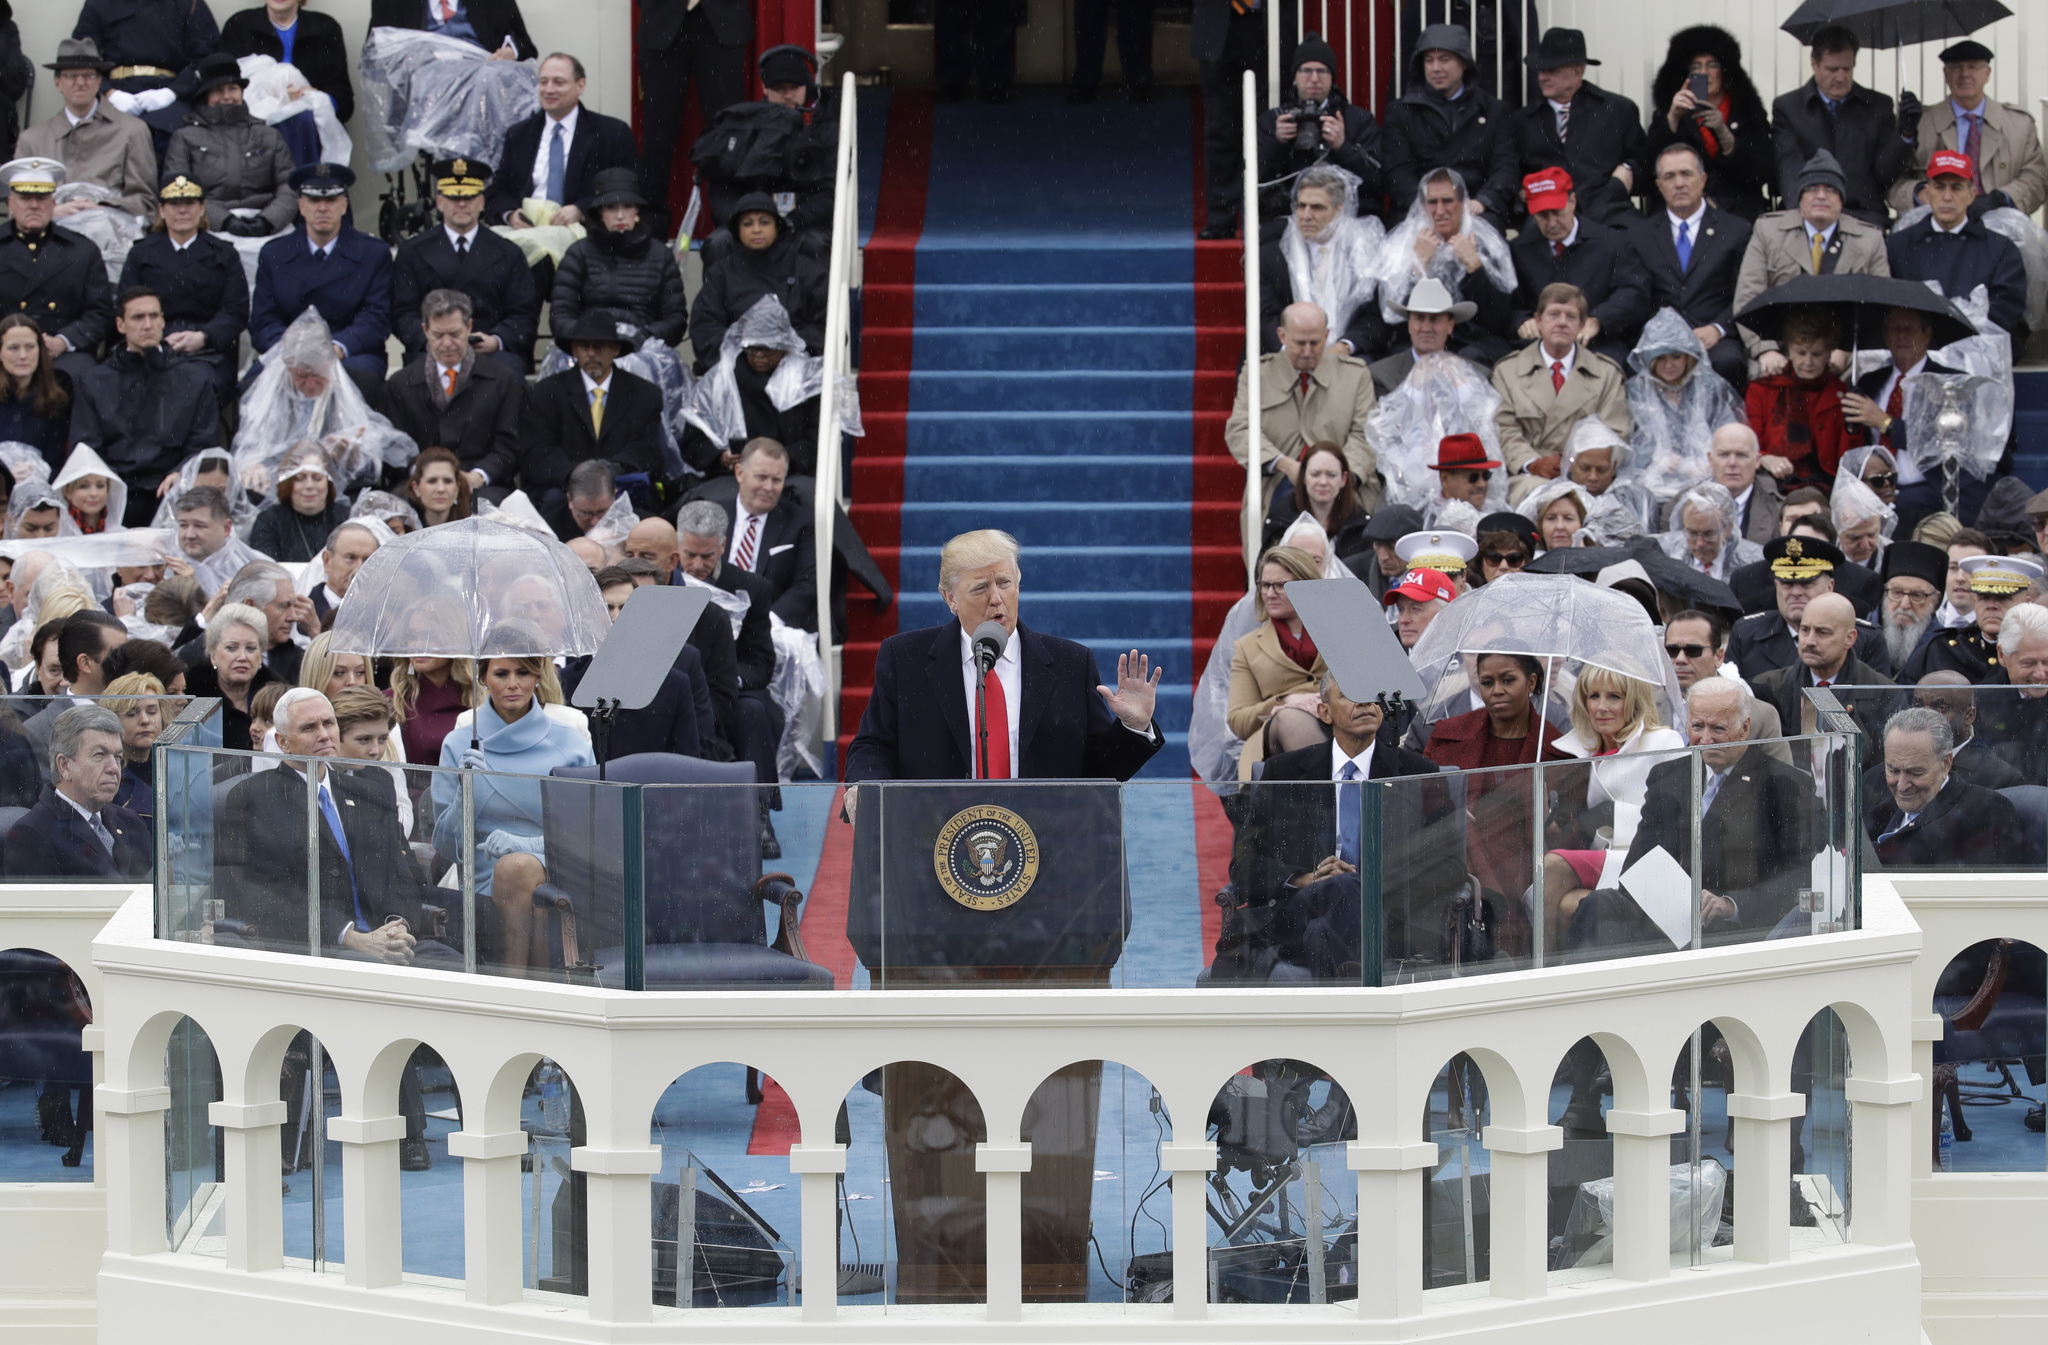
(1347, 815)
(1684, 247)
(556, 164)
(341, 842)
(1714, 779)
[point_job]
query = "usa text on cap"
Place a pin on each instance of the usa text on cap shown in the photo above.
(1547, 190)
(1422, 586)
(458, 179)
(1950, 163)
(1438, 549)
(323, 179)
(2000, 576)
(33, 176)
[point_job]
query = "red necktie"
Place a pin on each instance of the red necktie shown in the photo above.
(1304, 382)
(1973, 145)
(1557, 249)
(1895, 405)
(997, 707)
(745, 557)
(1557, 375)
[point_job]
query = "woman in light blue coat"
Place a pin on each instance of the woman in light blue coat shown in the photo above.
(517, 736)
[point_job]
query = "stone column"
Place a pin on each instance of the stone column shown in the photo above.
(1642, 1191)
(254, 1197)
(1520, 1191)
(1390, 1229)
(621, 1213)
(369, 1198)
(1190, 1165)
(490, 1213)
(1004, 1166)
(1882, 1159)
(1763, 1174)
(819, 1167)
(128, 1155)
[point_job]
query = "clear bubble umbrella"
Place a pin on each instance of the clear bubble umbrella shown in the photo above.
(471, 589)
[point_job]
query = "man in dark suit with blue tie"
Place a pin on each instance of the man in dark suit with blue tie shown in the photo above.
(328, 265)
(75, 831)
(1928, 818)
(463, 255)
(579, 144)
(371, 896)
(1691, 254)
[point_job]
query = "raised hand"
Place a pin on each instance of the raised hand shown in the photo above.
(1135, 696)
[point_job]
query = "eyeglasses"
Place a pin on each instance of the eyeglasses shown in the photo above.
(1271, 586)
(1909, 595)
(1882, 481)
(1689, 650)
(1471, 478)
(1514, 560)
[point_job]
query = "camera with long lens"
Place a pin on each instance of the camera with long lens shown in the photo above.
(1308, 123)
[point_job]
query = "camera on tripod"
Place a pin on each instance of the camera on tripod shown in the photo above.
(1308, 123)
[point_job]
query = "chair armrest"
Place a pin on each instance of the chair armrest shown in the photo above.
(780, 890)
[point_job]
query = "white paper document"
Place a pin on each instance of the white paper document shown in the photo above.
(1664, 891)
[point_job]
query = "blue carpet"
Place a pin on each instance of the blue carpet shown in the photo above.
(1053, 373)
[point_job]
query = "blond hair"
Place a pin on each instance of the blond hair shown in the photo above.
(1637, 705)
(317, 666)
(62, 603)
(1292, 559)
(974, 551)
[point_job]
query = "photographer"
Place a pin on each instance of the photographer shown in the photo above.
(1317, 125)
(786, 146)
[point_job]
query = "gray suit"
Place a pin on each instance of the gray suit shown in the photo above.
(1779, 250)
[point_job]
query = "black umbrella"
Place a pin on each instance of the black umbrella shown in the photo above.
(1859, 304)
(1668, 576)
(1895, 23)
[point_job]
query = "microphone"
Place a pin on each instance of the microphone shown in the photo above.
(989, 641)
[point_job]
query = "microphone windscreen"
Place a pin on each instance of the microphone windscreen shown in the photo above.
(991, 636)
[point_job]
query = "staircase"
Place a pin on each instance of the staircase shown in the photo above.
(1047, 350)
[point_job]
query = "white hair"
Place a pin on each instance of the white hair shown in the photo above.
(974, 551)
(2024, 621)
(281, 714)
(1704, 686)
(237, 614)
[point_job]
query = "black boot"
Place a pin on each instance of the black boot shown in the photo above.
(413, 1156)
(771, 846)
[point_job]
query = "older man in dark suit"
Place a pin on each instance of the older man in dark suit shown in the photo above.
(594, 410)
(371, 898)
(1828, 633)
(769, 532)
(463, 255)
(1929, 818)
(74, 830)
(451, 398)
(557, 152)
(330, 266)
(1757, 838)
(1691, 252)
(1833, 112)
(1594, 135)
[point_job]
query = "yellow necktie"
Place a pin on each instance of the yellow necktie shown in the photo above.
(1819, 246)
(597, 410)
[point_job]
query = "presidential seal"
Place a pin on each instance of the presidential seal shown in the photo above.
(986, 858)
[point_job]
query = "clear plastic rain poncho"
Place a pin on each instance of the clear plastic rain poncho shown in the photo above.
(1851, 502)
(277, 92)
(1536, 501)
(1398, 270)
(1592, 1214)
(1593, 434)
(108, 227)
(1338, 274)
(472, 589)
(276, 415)
(714, 405)
(82, 463)
(1612, 523)
(1443, 395)
(798, 686)
(657, 363)
(423, 91)
(1670, 433)
(1983, 392)
(33, 496)
(515, 511)
(1713, 497)
(610, 531)
(240, 511)
(58, 575)
(1558, 619)
(1856, 459)
(387, 509)
(23, 462)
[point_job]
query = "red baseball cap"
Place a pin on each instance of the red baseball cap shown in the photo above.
(1546, 190)
(1950, 163)
(1421, 585)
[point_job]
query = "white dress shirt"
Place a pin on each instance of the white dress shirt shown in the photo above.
(1909, 471)
(1692, 223)
(80, 121)
(1010, 673)
(455, 239)
(739, 530)
(92, 820)
(547, 135)
(1568, 359)
(1363, 763)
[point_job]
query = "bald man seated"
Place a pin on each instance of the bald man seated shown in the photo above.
(1309, 392)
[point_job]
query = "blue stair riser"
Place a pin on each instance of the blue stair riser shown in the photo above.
(1135, 617)
(1063, 391)
(1078, 433)
(1025, 349)
(928, 523)
(1097, 480)
(1076, 567)
(2030, 424)
(1054, 305)
(1108, 263)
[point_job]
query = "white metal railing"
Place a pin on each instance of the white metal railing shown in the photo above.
(1252, 525)
(843, 277)
(1385, 1047)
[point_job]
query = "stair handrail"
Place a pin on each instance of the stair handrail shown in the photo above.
(1251, 525)
(843, 277)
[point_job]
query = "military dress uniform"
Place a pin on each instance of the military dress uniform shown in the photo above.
(56, 277)
(485, 266)
(1966, 649)
(350, 284)
(202, 286)
(147, 42)
(1759, 643)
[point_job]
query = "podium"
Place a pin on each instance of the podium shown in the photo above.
(997, 885)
